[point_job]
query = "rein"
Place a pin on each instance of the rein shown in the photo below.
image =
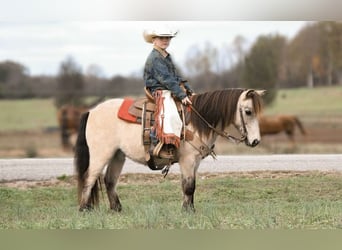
(224, 134)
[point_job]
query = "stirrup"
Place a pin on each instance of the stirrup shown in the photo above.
(166, 169)
(157, 149)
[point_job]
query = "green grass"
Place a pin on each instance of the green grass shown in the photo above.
(20, 115)
(303, 101)
(35, 114)
(237, 201)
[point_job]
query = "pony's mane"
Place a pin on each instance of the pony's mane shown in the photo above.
(218, 108)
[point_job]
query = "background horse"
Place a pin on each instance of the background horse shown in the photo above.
(281, 123)
(68, 117)
(105, 140)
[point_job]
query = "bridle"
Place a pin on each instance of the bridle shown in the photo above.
(223, 133)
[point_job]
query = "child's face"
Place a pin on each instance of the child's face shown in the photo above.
(162, 42)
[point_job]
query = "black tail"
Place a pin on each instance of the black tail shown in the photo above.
(82, 161)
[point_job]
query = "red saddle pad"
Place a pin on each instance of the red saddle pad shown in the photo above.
(123, 111)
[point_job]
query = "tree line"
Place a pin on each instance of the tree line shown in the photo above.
(312, 58)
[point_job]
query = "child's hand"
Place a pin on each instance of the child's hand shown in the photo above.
(186, 101)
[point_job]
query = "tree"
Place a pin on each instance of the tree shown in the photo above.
(315, 55)
(300, 54)
(201, 61)
(13, 80)
(262, 64)
(70, 83)
(94, 81)
(331, 51)
(238, 46)
(205, 66)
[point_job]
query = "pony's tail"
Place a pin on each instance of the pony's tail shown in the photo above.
(82, 162)
(300, 126)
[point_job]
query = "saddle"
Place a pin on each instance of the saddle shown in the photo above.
(141, 111)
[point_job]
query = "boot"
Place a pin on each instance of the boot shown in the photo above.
(167, 152)
(151, 149)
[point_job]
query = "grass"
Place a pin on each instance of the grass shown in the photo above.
(235, 201)
(23, 115)
(319, 101)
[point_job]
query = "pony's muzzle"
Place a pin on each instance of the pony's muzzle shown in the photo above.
(253, 144)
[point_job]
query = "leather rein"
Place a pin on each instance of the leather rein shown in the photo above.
(223, 133)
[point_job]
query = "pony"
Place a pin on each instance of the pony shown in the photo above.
(68, 117)
(104, 140)
(276, 124)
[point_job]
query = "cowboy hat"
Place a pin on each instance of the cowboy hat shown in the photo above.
(164, 32)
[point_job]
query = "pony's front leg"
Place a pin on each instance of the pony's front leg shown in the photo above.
(188, 166)
(188, 186)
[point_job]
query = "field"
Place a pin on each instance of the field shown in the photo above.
(259, 200)
(28, 128)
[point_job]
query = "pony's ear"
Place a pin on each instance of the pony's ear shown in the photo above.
(251, 92)
(260, 92)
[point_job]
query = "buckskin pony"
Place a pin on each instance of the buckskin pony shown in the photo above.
(104, 140)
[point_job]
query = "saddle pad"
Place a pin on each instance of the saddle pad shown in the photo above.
(123, 111)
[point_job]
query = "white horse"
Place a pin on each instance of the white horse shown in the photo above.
(105, 140)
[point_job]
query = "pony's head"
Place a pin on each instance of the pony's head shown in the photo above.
(246, 118)
(218, 109)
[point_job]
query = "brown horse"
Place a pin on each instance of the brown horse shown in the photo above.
(68, 117)
(105, 140)
(276, 124)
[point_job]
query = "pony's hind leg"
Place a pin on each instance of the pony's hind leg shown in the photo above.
(111, 179)
(89, 196)
(89, 186)
(87, 170)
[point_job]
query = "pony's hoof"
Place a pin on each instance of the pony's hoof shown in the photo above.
(117, 208)
(86, 208)
(188, 209)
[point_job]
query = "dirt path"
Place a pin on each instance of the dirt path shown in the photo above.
(44, 169)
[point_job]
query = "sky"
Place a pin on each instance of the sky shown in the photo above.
(41, 34)
(117, 47)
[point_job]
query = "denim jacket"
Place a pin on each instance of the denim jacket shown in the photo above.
(160, 73)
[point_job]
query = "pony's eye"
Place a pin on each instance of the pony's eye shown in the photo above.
(248, 112)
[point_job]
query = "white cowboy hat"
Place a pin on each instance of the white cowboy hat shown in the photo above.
(163, 32)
